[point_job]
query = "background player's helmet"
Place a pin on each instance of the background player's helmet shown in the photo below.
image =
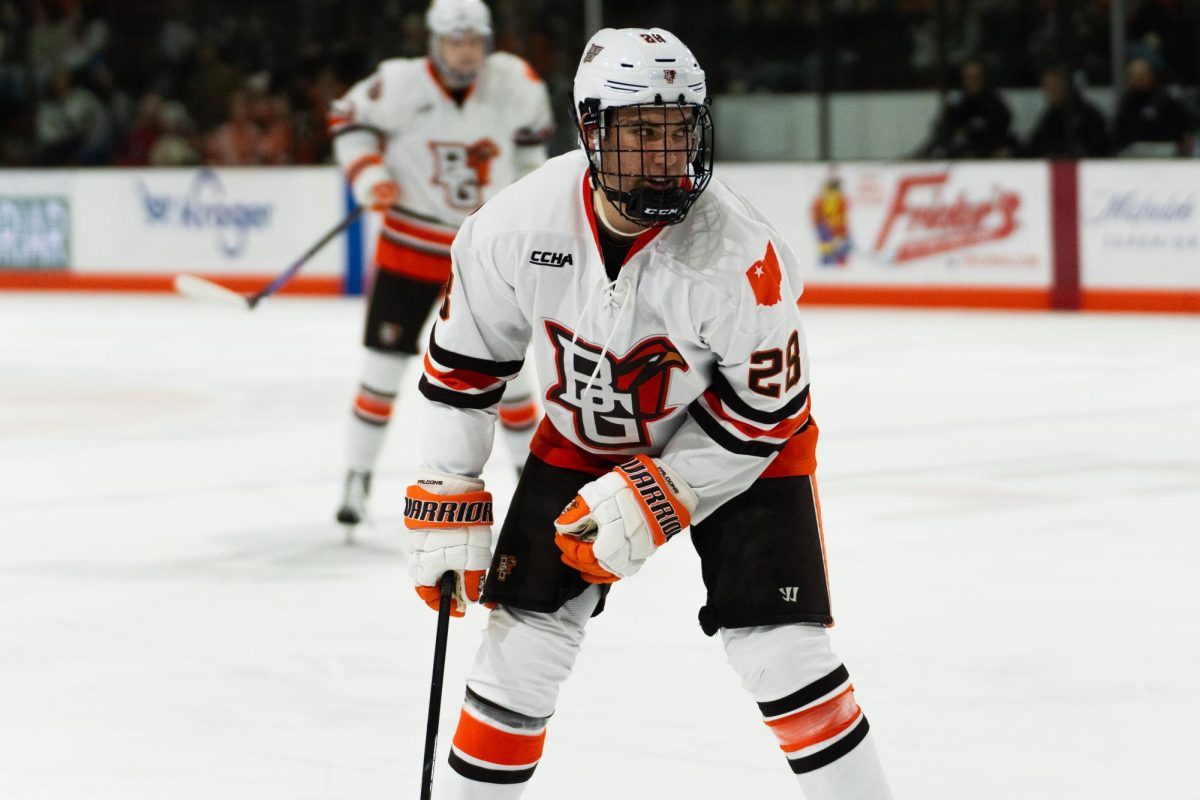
(454, 18)
(643, 69)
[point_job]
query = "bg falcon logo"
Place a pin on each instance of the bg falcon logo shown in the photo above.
(626, 395)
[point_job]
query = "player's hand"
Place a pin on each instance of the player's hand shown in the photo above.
(373, 186)
(617, 521)
(449, 519)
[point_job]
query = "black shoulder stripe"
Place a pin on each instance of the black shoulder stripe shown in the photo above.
(448, 358)
(808, 694)
(723, 437)
(485, 775)
(450, 397)
(737, 405)
(841, 747)
(358, 126)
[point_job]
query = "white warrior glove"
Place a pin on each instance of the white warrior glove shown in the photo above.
(617, 521)
(372, 185)
(449, 518)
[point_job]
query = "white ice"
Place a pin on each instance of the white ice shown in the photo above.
(1012, 505)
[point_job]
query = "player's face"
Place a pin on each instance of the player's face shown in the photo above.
(648, 146)
(462, 55)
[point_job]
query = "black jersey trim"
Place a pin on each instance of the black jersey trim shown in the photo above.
(358, 126)
(448, 358)
(729, 396)
(439, 394)
(718, 433)
(484, 775)
(808, 694)
(832, 753)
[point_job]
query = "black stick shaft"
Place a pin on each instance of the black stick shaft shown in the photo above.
(287, 274)
(435, 685)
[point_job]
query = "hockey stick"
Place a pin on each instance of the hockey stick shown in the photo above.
(435, 686)
(198, 288)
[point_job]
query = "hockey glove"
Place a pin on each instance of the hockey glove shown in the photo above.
(374, 188)
(617, 521)
(450, 529)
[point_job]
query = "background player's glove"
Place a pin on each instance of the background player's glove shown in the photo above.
(618, 520)
(449, 518)
(374, 188)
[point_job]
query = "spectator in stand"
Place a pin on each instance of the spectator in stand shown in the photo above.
(174, 147)
(1087, 134)
(275, 147)
(72, 124)
(135, 152)
(975, 121)
(1149, 121)
(236, 141)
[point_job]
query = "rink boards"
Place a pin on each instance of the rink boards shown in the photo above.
(1098, 235)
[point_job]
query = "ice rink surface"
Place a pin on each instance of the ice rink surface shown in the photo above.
(1012, 509)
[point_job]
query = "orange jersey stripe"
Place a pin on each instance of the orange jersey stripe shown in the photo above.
(411, 263)
(817, 724)
(481, 741)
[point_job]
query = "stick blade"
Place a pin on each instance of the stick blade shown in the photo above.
(198, 288)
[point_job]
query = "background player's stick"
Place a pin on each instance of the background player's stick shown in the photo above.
(203, 289)
(435, 686)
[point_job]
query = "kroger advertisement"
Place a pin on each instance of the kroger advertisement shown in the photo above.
(909, 224)
(220, 221)
(1140, 225)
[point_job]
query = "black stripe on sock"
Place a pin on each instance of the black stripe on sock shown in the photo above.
(485, 775)
(505, 716)
(814, 691)
(378, 423)
(832, 753)
(384, 395)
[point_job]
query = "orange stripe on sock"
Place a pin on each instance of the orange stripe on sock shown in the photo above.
(519, 416)
(817, 724)
(481, 741)
(375, 408)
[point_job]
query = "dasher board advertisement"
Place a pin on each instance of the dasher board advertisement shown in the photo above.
(1140, 225)
(220, 221)
(909, 225)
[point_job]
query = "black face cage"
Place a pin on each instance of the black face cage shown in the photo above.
(675, 158)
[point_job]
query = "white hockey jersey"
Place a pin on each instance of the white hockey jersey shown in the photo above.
(448, 158)
(695, 353)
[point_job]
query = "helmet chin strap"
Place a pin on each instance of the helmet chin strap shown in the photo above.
(644, 205)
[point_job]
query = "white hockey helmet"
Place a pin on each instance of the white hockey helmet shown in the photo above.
(457, 17)
(454, 19)
(642, 68)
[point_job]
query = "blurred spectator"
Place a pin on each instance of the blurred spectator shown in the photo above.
(1085, 136)
(236, 142)
(1149, 121)
(174, 147)
(275, 118)
(974, 122)
(143, 133)
(72, 124)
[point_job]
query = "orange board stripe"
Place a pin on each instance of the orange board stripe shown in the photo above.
(130, 282)
(947, 296)
(1174, 302)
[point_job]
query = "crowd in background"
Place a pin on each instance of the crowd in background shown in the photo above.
(232, 82)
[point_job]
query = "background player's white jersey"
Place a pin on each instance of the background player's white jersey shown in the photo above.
(695, 352)
(448, 158)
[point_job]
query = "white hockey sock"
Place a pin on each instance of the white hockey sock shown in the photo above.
(381, 376)
(821, 730)
(494, 752)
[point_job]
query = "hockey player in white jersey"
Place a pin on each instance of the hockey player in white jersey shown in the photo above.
(660, 308)
(426, 141)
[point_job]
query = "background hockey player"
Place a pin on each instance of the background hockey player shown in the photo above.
(426, 142)
(660, 309)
